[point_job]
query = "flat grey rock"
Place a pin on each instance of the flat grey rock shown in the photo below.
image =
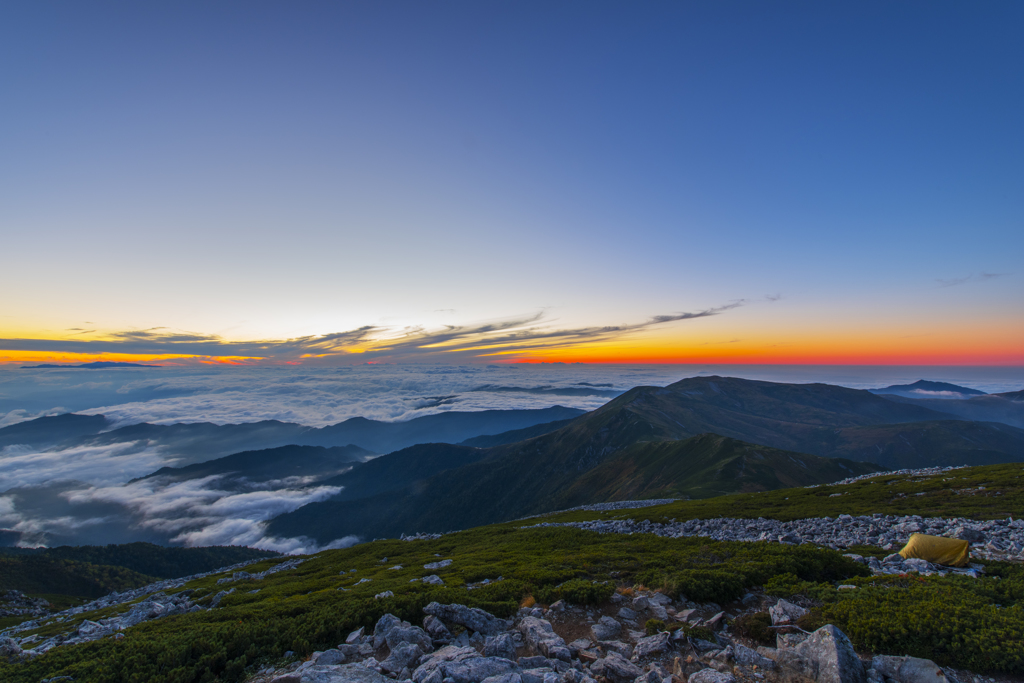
(711, 676)
(616, 668)
(651, 645)
(785, 612)
(472, 618)
(908, 669)
(827, 656)
(347, 673)
(606, 628)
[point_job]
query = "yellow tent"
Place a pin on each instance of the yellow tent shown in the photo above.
(937, 549)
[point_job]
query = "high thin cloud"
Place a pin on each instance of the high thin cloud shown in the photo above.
(453, 343)
(980, 277)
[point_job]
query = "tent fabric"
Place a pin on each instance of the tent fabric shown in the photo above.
(951, 552)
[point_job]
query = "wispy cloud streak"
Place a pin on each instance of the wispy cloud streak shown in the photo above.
(451, 343)
(980, 277)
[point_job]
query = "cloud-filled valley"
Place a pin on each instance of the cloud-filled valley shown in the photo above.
(95, 488)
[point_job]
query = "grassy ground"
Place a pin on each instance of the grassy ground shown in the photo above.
(303, 609)
(976, 624)
(989, 492)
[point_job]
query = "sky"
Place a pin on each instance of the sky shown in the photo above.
(668, 182)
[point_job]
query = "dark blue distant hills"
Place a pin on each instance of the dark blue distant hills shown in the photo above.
(923, 388)
(98, 365)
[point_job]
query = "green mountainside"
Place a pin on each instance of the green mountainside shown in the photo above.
(533, 482)
(701, 467)
(488, 440)
(402, 469)
(548, 472)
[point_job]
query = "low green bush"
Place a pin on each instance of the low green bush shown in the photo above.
(699, 632)
(577, 592)
(976, 624)
(314, 606)
(710, 585)
(654, 626)
(756, 626)
(789, 585)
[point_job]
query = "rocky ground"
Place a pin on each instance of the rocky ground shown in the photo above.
(17, 604)
(574, 644)
(1001, 539)
(601, 644)
(156, 602)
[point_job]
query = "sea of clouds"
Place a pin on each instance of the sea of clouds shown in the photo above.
(95, 494)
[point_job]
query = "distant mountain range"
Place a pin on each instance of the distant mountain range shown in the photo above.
(925, 389)
(693, 438)
(1007, 408)
(242, 470)
(98, 365)
(697, 438)
(202, 441)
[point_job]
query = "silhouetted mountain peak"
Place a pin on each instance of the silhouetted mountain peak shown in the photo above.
(923, 388)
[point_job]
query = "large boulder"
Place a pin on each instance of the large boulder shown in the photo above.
(501, 645)
(384, 626)
(968, 534)
(711, 676)
(616, 668)
(328, 657)
(908, 669)
(504, 678)
(605, 629)
(827, 656)
(472, 618)
(744, 656)
(402, 656)
(540, 675)
(348, 673)
(624, 649)
(9, 647)
(651, 645)
(436, 628)
(461, 665)
(784, 612)
(916, 564)
(539, 634)
(89, 628)
(400, 635)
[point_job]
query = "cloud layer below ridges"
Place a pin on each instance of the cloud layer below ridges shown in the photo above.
(326, 396)
(95, 495)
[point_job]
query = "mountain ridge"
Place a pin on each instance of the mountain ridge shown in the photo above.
(199, 441)
(524, 478)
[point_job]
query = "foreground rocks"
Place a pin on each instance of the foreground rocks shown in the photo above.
(532, 648)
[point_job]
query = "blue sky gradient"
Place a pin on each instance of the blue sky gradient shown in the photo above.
(254, 170)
